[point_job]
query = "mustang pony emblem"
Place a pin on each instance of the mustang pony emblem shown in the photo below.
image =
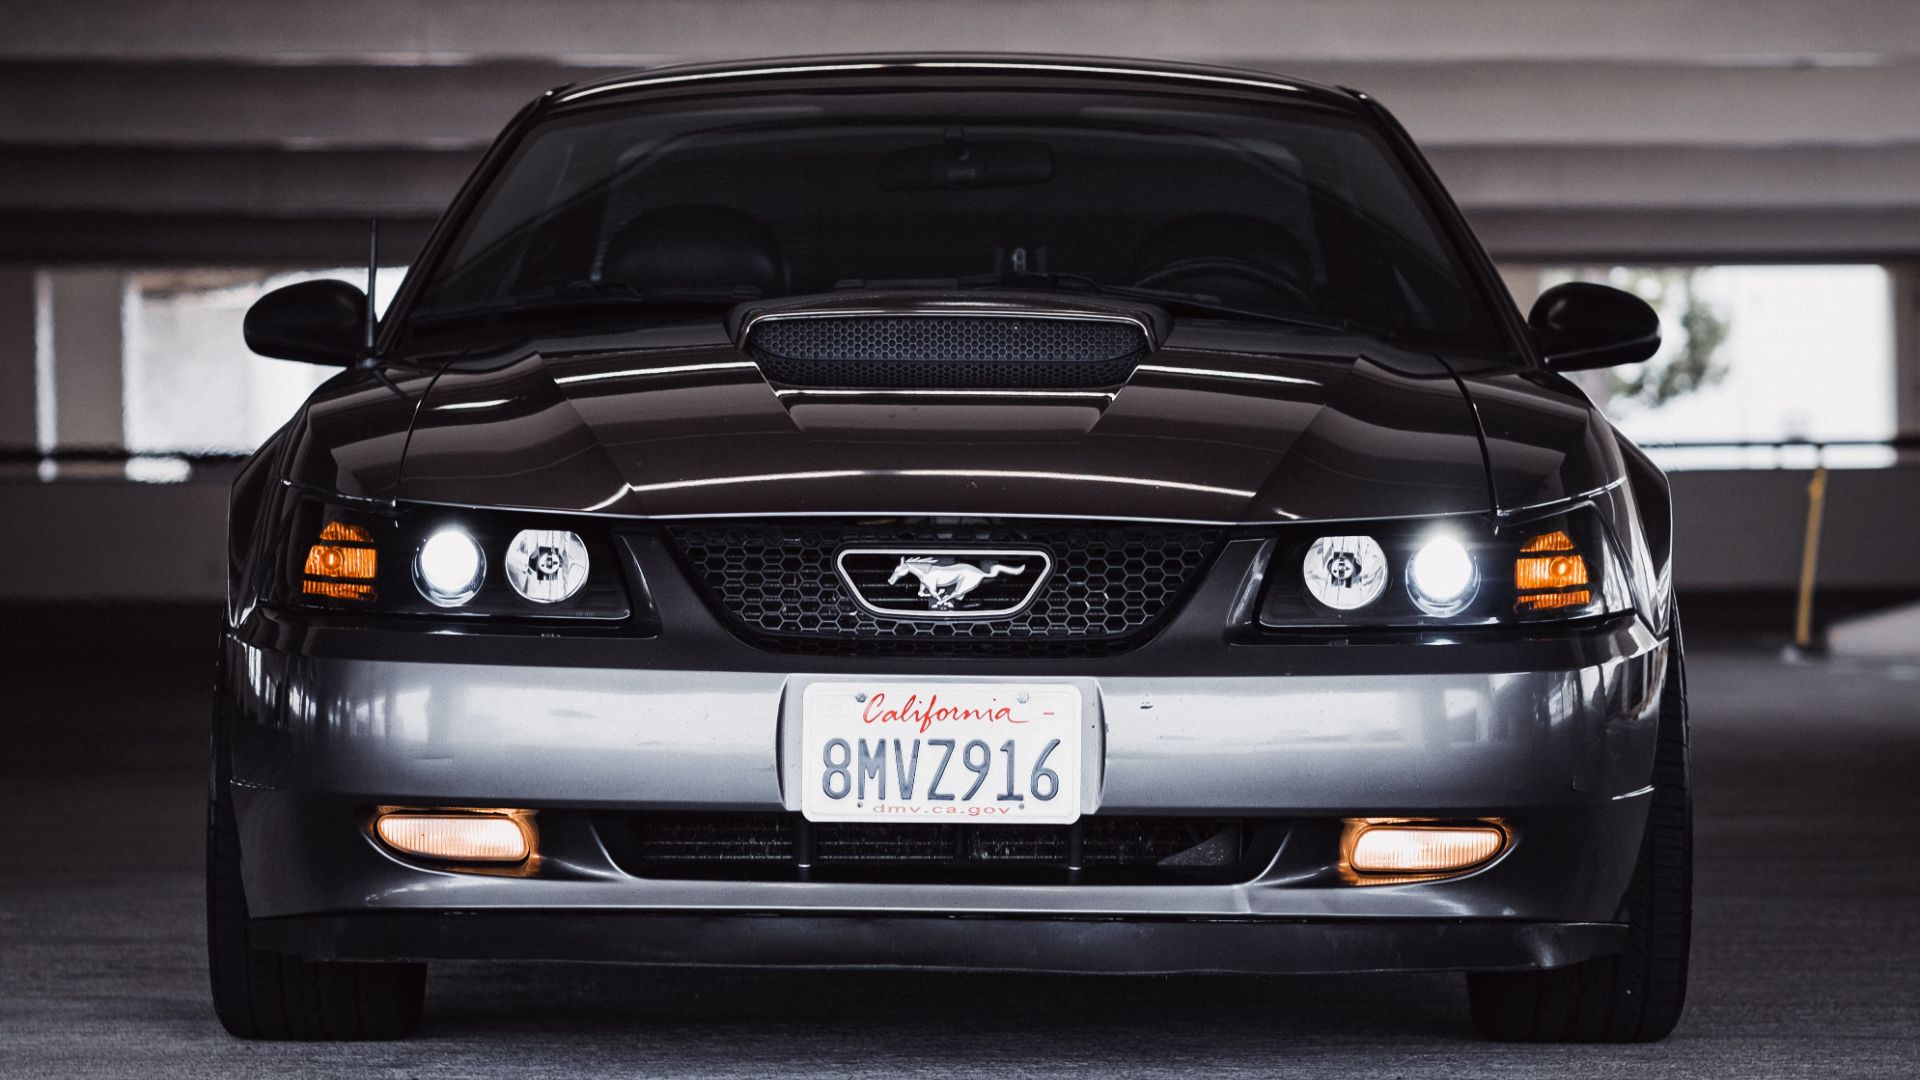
(918, 583)
(943, 583)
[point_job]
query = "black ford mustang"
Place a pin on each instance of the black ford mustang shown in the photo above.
(1011, 513)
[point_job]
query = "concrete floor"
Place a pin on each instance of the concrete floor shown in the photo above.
(1807, 954)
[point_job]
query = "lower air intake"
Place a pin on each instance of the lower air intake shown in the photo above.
(1098, 850)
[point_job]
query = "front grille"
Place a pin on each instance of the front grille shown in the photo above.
(1110, 587)
(947, 351)
(784, 847)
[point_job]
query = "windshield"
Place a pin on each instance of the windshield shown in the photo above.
(1213, 208)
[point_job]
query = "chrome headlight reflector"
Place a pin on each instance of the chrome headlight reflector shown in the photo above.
(546, 565)
(1346, 573)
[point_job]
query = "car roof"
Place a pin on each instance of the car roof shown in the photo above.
(908, 69)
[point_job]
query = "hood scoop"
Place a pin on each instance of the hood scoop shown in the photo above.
(895, 342)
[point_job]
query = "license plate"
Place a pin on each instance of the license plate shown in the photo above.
(979, 753)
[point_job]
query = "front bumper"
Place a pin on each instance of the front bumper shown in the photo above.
(1110, 946)
(1554, 735)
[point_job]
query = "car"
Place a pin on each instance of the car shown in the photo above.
(1029, 514)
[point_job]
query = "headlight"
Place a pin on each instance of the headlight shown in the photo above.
(1345, 573)
(1462, 571)
(547, 565)
(449, 567)
(426, 561)
(1441, 578)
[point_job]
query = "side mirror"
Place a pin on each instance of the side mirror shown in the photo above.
(1581, 325)
(319, 322)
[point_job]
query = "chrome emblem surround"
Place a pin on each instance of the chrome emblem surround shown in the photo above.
(948, 575)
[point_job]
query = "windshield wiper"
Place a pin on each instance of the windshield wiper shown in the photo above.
(1201, 302)
(587, 296)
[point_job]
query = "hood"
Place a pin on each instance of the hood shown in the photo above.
(1218, 424)
(351, 434)
(1545, 441)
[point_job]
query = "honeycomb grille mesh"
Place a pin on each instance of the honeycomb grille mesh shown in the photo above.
(1110, 587)
(695, 837)
(772, 847)
(947, 351)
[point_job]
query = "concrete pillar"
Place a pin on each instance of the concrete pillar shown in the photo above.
(88, 341)
(1905, 278)
(18, 430)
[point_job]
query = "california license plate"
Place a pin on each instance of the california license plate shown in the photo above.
(982, 753)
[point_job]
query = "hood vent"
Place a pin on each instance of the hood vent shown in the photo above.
(978, 351)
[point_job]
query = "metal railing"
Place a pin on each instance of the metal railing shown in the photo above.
(116, 463)
(1813, 454)
(1793, 453)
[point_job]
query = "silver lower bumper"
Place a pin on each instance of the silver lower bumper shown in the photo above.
(1134, 946)
(1565, 755)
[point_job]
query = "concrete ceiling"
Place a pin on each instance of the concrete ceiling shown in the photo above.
(196, 131)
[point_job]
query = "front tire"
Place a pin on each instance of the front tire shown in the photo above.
(259, 994)
(1638, 995)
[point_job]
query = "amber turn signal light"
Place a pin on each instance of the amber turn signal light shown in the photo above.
(1376, 851)
(490, 836)
(337, 590)
(340, 561)
(340, 530)
(1550, 574)
(343, 565)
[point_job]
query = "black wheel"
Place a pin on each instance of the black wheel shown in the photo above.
(1636, 996)
(266, 995)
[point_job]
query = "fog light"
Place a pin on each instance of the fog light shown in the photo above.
(505, 836)
(1441, 577)
(1419, 849)
(449, 568)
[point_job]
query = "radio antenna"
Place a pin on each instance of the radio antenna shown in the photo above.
(373, 274)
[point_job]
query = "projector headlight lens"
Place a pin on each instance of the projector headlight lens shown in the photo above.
(1345, 573)
(1441, 577)
(546, 565)
(449, 568)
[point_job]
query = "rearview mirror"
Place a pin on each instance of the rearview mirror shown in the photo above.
(958, 165)
(318, 322)
(1581, 325)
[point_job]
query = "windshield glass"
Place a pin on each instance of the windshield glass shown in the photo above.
(1212, 208)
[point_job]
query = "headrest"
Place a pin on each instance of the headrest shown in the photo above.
(695, 247)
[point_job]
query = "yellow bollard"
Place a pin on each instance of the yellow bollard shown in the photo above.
(1810, 558)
